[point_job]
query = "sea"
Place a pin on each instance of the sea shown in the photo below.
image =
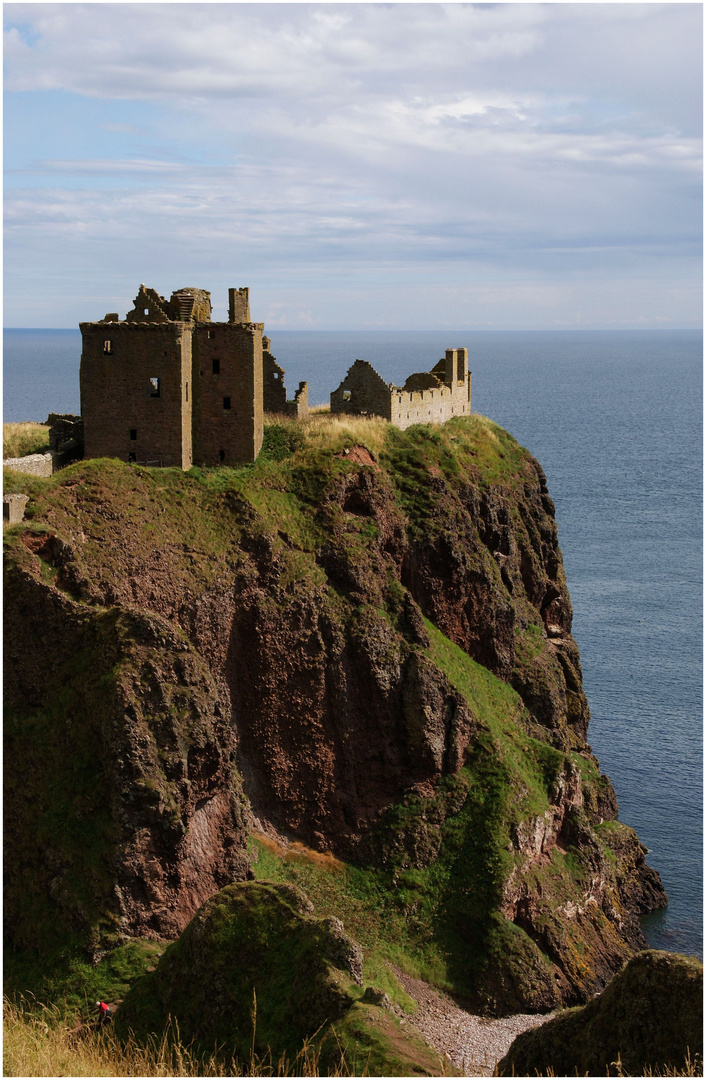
(615, 418)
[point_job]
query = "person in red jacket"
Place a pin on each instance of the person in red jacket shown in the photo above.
(104, 1015)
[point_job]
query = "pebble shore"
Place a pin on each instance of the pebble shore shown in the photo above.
(473, 1044)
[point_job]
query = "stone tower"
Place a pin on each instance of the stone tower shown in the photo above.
(167, 386)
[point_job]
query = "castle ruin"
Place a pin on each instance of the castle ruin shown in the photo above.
(426, 397)
(167, 386)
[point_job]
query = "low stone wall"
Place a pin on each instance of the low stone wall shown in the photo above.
(34, 464)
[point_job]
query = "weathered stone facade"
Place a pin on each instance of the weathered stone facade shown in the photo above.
(169, 387)
(426, 397)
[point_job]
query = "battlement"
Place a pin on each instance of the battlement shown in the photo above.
(426, 397)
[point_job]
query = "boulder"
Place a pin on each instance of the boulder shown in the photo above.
(649, 1017)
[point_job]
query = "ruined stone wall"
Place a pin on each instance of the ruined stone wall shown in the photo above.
(427, 398)
(434, 406)
(13, 508)
(126, 414)
(274, 393)
(33, 464)
(299, 408)
(362, 393)
(437, 396)
(227, 361)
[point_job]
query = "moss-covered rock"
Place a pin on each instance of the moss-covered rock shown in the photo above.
(650, 1016)
(123, 805)
(255, 971)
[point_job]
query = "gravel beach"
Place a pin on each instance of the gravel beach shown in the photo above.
(474, 1044)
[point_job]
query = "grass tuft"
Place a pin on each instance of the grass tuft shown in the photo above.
(18, 440)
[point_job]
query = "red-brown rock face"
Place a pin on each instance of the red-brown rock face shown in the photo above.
(124, 810)
(173, 642)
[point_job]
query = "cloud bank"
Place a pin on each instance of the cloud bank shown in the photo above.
(402, 165)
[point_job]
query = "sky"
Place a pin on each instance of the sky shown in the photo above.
(358, 166)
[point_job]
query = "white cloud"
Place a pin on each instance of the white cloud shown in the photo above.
(556, 140)
(186, 49)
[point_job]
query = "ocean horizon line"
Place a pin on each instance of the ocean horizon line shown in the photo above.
(433, 330)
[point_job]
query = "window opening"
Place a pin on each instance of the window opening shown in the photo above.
(222, 455)
(187, 391)
(154, 386)
(211, 333)
(226, 402)
(346, 395)
(216, 366)
(132, 457)
(146, 311)
(133, 433)
(107, 347)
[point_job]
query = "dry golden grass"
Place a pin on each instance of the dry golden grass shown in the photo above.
(691, 1068)
(321, 429)
(25, 438)
(41, 1041)
(323, 859)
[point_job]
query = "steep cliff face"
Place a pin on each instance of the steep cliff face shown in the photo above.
(124, 809)
(380, 634)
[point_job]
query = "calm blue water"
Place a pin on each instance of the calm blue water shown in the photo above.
(615, 419)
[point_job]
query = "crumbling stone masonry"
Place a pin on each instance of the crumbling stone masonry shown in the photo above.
(426, 397)
(65, 438)
(13, 508)
(274, 392)
(169, 387)
(33, 464)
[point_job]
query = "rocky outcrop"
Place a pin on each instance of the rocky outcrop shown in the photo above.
(124, 810)
(649, 1018)
(256, 979)
(251, 937)
(602, 919)
(491, 578)
(186, 632)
